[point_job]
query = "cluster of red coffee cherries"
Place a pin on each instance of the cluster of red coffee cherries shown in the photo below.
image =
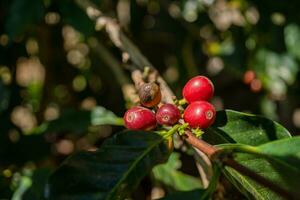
(199, 114)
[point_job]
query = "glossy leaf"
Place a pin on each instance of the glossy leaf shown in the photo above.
(198, 194)
(286, 150)
(113, 171)
(102, 116)
(169, 174)
(280, 164)
(236, 127)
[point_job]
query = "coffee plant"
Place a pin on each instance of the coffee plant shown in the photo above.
(258, 155)
(85, 115)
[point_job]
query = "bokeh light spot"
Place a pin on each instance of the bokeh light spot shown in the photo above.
(52, 18)
(79, 83)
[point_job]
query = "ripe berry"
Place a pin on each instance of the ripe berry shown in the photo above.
(139, 118)
(199, 114)
(167, 114)
(199, 88)
(149, 94)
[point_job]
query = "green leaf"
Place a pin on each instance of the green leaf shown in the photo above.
(236, 127)
(286, 150)
(277, 161)
(198, 194)
(22, 14)
(23, 185)
(292, 39)
(78, 121)
(102, 116)
(169, 174)
(113, 171)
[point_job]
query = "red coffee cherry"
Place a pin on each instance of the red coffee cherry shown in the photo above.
(150, 94)
(199, 114)
(168, 114)
(199, 88)
(139, 118)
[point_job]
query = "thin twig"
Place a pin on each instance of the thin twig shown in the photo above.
(120, 40)
(137, 78)
(206, 172)
(109, 60)
(206, 148)
(128, 89)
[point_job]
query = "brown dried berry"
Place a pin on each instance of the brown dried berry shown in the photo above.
(149, 94)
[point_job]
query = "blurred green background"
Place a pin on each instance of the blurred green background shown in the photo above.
(55, 81)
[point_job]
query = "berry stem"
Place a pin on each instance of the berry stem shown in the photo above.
(201, 145)
(170, 132)
(146, 72)
(182, 102)
(119, 121)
